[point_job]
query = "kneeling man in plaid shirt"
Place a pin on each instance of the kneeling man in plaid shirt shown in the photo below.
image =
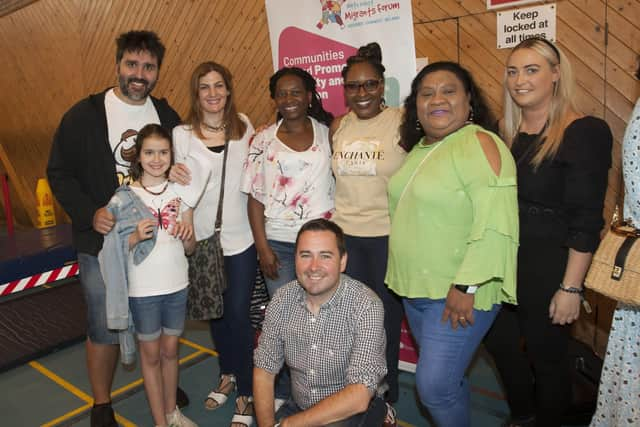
(329, 330)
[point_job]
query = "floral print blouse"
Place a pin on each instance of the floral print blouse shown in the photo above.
(294, 186)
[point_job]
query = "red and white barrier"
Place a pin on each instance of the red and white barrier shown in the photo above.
(39, 279)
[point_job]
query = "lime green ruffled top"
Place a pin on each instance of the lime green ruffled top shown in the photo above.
(457, 222)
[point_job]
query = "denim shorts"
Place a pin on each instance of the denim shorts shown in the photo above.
(94, 291)
(159, 314)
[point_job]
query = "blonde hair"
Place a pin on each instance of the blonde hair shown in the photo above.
(561, 111)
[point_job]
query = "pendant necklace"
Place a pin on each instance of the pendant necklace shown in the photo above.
(220, 128)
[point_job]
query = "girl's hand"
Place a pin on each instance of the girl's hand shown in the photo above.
(458, 308)
(182, 231)
(269, 263)
(564, 308)
(144, 231)
(180, 173)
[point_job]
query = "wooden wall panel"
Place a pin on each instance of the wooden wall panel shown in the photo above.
(437, 40)
(40, 80)
(9, 6)
(68, 51)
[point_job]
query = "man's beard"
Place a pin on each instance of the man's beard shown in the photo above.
(124, 82)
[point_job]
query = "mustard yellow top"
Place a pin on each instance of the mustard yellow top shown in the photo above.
(365, 155)
(457, 222)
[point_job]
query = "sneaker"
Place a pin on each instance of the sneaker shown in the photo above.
(520, 422)
(177, 419)
(102, 416)
(390, 420)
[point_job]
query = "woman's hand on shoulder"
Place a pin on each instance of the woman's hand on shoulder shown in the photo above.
(564, 308)
(180, 174)
(458, 308)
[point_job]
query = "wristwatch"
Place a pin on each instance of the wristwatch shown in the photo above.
(466, 289)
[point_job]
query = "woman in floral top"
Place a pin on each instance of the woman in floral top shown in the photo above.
(288, 173)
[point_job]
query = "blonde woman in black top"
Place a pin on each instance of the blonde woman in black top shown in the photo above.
(563, 160)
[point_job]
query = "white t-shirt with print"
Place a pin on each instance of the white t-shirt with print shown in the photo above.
(123, 123)
(293, 186)
(165, 269)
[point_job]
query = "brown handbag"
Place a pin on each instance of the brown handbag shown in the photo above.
(615, 268)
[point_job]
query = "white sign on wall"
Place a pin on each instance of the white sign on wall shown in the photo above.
(517, 25)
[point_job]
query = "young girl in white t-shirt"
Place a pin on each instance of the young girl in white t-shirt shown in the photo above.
(157, 286)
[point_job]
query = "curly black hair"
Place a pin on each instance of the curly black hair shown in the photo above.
(316, 110)
(411, 133)
(370, 54)
(136, 41)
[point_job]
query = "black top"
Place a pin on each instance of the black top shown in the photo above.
(562, 200)
(216, 149)
(81, 168)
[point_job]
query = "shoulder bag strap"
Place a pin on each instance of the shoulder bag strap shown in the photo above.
(218, 224)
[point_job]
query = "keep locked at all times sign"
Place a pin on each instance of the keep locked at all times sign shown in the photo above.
(517, 25)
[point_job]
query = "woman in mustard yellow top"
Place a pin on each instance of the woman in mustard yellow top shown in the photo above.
(454, 232)
(366, 152)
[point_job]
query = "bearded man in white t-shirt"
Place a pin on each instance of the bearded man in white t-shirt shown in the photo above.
(89, 159)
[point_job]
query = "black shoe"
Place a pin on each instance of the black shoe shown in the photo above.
(520, 422)
(102, 416)
(182, 399)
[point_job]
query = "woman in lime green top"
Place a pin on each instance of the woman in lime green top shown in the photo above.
(454, 232)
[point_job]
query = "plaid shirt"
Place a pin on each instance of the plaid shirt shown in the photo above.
(344, 344)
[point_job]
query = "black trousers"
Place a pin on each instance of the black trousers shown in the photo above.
(530, 352)
(367, 262)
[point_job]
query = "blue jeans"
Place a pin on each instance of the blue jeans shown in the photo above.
(159, 314)
(232, 333)
(286, 253)
(94, 291)
(367, 262)
(444, 355)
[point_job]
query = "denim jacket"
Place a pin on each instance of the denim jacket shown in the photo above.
(128, 210)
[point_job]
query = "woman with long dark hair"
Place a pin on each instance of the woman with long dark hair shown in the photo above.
(454, 232)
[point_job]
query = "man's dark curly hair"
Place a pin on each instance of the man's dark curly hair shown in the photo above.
(136, 41)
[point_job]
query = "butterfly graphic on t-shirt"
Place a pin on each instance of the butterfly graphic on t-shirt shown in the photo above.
(168, 215)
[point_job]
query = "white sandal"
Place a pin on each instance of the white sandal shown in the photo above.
(220, 395)
(244, 417)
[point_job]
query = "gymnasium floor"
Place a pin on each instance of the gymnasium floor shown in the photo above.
(54, 390)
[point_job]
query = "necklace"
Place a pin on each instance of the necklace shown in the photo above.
(155, 193)
(220, 128)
